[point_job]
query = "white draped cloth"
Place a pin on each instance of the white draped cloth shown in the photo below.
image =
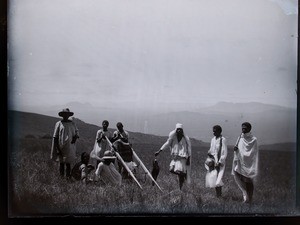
(180, 151)
(65, 131)
(215, 145)
(245, 161)
(102, 146)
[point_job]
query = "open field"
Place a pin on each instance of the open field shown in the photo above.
(36, 189)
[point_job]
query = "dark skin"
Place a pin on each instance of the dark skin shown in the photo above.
(245, 130)
(121, 130)
(105, 125)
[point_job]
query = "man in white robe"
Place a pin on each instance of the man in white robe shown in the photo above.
(181, 152)
(218, 151)
(101, 145)
(245, 162)
(63, 144)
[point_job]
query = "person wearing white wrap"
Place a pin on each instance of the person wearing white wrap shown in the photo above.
(218, 152)
(181, 152)
(245, 162)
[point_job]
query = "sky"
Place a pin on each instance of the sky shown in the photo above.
(152, 53)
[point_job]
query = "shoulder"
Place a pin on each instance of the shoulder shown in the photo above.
(224, 140)
(57, 124)
(172, 134)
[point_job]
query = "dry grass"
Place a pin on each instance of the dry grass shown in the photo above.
(36, 189)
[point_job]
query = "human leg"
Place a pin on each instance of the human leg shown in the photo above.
(181, 178)
(250, 188)
(61, 169)
(242, 185)
(219, 191)
(68, 170)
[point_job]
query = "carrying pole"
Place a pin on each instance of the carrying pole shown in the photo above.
(145, 169)
(143, 166)
(237, 142)
(123, 163)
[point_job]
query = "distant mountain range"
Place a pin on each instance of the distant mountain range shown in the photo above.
(271, 123)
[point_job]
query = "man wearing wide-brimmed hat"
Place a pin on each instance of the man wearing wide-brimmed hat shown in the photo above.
(106, 171)
(63, 145)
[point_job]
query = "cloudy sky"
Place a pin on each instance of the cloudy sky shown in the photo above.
(152, 53)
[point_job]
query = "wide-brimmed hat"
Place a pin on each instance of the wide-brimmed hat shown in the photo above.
(65, 111)
(108, 155)
(209, 163)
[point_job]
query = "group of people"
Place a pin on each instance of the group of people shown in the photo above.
(244, 167)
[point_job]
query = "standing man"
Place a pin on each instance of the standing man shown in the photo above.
(101, 145)
(181, 151)
(63, 144)
(245, 162)
(120, 134)
(218, 152)
(121, 144)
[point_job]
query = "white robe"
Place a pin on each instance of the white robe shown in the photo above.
(214, 149)
(245, 160)
(100, 147)
(65, 131)
(182, 149)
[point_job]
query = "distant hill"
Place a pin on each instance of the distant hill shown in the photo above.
(33, 125)
(270, 123)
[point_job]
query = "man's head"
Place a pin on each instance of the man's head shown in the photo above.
(65, 113)
(105, 124)
(108, 157)
(246, 127)
(120, 126)
(179, 129)
(217, 130)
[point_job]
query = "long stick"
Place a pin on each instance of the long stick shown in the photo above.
(237, 142)
(145, 169)
(123, 163)
(143, 165)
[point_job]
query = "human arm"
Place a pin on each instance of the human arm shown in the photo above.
(76, 135)
(56, 145)
(125, 137)
(223, 152)
(100, 136)
(167, 144)
(189, 147)
(211, 148)
(98, 171)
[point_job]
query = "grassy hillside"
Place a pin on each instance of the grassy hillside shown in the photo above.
(36, 189)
